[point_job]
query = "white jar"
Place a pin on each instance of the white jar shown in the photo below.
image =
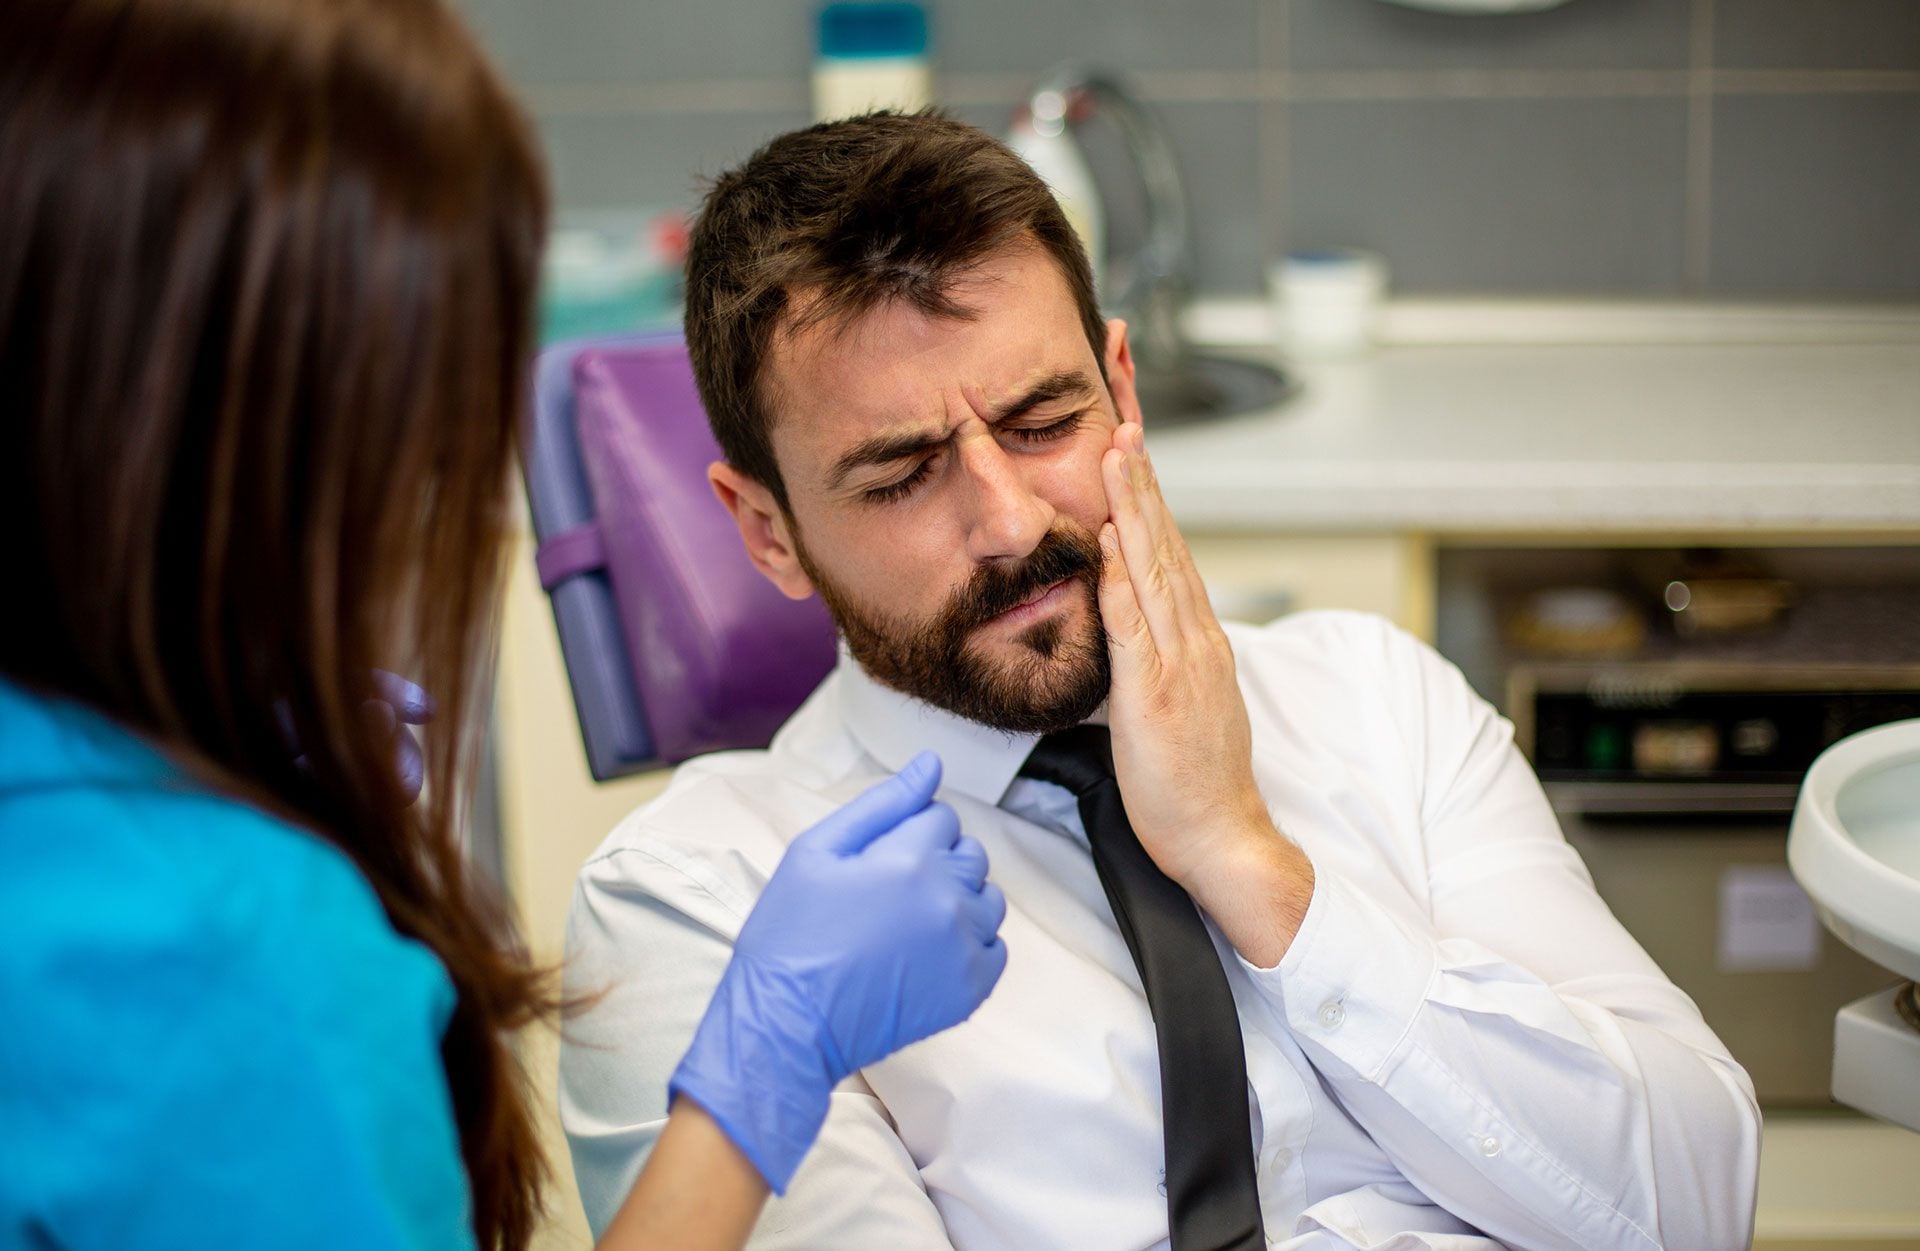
(1327, 302)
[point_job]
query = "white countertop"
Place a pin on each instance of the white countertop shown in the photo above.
(1570, 418)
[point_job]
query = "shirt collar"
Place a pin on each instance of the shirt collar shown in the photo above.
(978, 761)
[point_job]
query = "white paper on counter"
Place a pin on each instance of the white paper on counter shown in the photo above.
(1767, 923)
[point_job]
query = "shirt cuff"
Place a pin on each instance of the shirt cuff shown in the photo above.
(1353, 979)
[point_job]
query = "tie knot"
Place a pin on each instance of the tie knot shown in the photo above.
(1079, 759)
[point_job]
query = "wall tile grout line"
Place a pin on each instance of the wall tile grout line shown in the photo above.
(1168, 86)
(1273, 128)
(1697, 245)
(1728, 82)
(1469, 84)
(709, 95)
(1266, 86)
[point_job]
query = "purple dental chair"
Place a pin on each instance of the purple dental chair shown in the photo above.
(674, 644)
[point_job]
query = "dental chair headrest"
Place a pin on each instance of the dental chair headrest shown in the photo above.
(717, 657)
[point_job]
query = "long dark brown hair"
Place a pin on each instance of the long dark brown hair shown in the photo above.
(266, 276)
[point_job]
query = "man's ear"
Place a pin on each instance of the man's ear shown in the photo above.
(1119, 363)
(764, 528)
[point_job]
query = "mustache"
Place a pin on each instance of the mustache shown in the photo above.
(993, 589)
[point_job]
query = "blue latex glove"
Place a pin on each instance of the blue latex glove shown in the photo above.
(397, 704)
(878, 929)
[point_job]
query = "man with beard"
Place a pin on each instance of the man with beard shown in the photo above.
(1448, 1042)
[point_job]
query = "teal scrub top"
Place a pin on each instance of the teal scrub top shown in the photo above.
(210, 1035)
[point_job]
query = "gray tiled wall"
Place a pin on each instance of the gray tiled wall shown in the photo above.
(1716, 147)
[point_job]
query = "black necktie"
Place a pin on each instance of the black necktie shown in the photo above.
(1212, 1201)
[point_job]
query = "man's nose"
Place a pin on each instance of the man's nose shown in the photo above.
(1009, 518)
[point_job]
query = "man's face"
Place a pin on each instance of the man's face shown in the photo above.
(944, 478)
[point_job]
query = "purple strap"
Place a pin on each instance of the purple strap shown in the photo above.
(569, 554)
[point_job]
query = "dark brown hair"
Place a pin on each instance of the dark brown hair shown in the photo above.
(851, 215)
(266, 276)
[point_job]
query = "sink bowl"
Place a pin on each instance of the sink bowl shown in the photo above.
(1203, 386)
(1855, 843)
(1855, 846)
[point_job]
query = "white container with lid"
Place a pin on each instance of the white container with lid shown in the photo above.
(872, 56)
(1327, 302)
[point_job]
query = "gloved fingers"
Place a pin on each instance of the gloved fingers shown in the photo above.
(380, 718)
(989, 962)
(877, 809)
(411, 764)
(968, 860)
(411, 703)
(985, 912)
(384, 723)
(932, 831)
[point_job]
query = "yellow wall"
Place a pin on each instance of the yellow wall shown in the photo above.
(552, 816)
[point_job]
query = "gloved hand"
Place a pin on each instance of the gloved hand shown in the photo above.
(396, 704)
(878, 929)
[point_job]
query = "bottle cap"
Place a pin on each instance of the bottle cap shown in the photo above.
(890, 29)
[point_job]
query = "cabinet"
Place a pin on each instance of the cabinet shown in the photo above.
(1257, 577)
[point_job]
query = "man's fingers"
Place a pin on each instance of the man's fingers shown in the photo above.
(878, 808)
(1170, 554)
(1148, 580)
(1119, 607)
(1132, 442)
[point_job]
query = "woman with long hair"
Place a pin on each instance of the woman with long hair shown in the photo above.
(267, 271)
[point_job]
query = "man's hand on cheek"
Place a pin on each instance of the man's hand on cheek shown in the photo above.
(1182, 749)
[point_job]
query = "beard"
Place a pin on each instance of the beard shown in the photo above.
(1057, 673)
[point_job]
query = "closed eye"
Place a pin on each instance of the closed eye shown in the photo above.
(901, 489)
(1052, 430)
(1026, 434)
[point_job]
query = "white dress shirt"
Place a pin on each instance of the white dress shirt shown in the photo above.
(1462, 1048)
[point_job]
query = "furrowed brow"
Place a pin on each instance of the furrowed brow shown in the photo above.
(1066, 384)
(886, 448)
(882, 450)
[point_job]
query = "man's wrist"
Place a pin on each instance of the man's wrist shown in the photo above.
(1256, 889)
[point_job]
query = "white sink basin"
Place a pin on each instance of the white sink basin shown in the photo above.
(1855, 843)
(1855, 846)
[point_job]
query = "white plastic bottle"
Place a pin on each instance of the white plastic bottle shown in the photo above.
(872, 56)
(1041, 136)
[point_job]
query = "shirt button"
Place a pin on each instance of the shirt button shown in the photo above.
(1331, 1014)
(1489, 1145)
(1282, 1160)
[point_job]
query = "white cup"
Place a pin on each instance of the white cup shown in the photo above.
(1327, 302)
